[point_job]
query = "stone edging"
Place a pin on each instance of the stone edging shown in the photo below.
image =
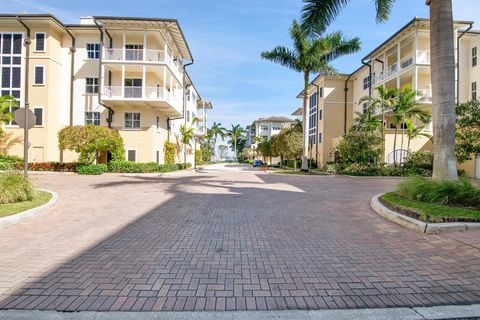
(417, 225)
(13, 219)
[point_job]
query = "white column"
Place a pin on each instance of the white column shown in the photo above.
(415, 47)
(124, 39)
(164, 82)
(398, 56)
(145, 45)
(144, 81)
(123, 81)
(415, 79)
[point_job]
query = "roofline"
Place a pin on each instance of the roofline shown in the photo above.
(415, 19)
(329, 77)
(150, 19)
(33, 15)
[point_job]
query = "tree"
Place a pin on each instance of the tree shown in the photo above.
(235, 134)
(265, 148)
(186, 138)
(311, 53)
(217, 130)
(413, 132)
(91, 140)
(365, 121)
(382, 102)
(360, 147)
(468, 131)
(7, 140)
(293, 145)
(318, 14)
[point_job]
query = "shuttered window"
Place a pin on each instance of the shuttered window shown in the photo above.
(40, 41)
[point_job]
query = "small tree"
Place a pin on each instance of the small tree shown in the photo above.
(186, 139)
(468, 131)
(7, 140)
(294, 145)
(360, 147)
(90, 140)
(170, 150)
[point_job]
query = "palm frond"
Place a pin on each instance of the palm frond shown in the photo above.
(318, 14)
(384, 8)
(282, 56)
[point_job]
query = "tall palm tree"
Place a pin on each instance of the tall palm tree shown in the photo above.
(235, 133)
(311, 54)
(186, 138)
(318, 14)
(383, 102)
(217, 130)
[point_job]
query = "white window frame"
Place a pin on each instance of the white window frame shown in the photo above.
(126, 155)
(474, 56)
(94, 44)
(367, 82)
(44, 42)
(264, 127)
(34, 74)
(43, 117)
(133, 121)
(94, 85)
(93, 118)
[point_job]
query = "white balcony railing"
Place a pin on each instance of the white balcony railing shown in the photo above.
(406, 62)
(141, 55)
(142, 93)
(392, 69)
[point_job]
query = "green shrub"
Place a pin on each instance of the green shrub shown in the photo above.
(50, 166)
(370, 169)
(132, 167)
(360, 147)
(198, 156)
(170, 150)
(9, 162)
(91, 169)
(14, 187)
(420, 159)
(455, 193)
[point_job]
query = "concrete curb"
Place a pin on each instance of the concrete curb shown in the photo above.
(417, 225)
(422, 313)
(9, 221)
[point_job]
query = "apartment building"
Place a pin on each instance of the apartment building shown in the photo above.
(403, 60)
(121, 72)
(266, 128)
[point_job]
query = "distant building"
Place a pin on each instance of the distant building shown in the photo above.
(266, 128)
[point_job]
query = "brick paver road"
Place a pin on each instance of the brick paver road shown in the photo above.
(227, 241)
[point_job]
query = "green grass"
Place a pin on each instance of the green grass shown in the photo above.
(430, 212)
(39, 198)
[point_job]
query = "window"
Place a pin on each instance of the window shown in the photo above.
(474, 90)
(474, 57)
(265, 137)
(10, 67)
(276, 127)
(157, 156)
(38, 112)
(134, 52)
(366, 83)
(93, 50)
(132, 120)
(320, 137)
(91, 85)
(188, 94)
(39, 75)
(365, 107)
(158, 122)
(312, 119)
(320, 114)
(40, 41)
(188, 116)
(263, 127)
(92, 118)
(132, 155)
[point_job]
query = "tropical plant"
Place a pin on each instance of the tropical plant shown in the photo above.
(235, 134)
(311, 53)
(216, 131)
(91, 140)
(361, 147)
(169, 150)
(366, 121)
(383, 102)
(7, 141)
(317, 16)
(293, 145)
(414, 132)
(15, 187)
(468, 131)
(6, 103)
(186, 138)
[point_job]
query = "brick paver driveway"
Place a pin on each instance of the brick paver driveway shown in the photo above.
(227, 240)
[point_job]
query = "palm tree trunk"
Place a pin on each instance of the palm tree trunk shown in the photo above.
(395, 146)
(383, 135)
(235, 147)
(401, 144)
(408, 145)
(443, 88)
(305, 121)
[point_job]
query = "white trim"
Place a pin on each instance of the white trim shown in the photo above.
(99, 50)
(126, 154)
(43, 117)
(44, 43)
(34, 74)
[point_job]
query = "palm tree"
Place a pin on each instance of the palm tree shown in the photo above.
(365, 122)
(318, 14)
(7, 141)
(6, 103)
(235, 133)
(186, 138)
(217, 130)
(383, 102)
(414, 132)
(311, 54)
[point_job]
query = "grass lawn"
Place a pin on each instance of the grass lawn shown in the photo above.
(314, 172)
(429, 212)
(39, 198)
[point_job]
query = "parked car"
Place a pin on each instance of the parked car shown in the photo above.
(257, 163)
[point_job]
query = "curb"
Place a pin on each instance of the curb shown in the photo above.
(13, 219)
(416, 313)
(417, 225)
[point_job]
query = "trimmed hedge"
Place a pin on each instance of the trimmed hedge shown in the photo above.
(91, 169)
(50, 166)
(14, 187)
(151, 167)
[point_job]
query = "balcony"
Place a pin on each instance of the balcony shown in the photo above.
(154, 97)
(423, 57)
(143, 56)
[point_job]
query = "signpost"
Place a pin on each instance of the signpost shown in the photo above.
(25, 119)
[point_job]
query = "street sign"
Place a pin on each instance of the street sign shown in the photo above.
(19, 117)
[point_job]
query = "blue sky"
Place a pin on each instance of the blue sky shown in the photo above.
(227, 37)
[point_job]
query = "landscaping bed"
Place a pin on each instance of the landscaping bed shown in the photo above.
(429, 212)
(39, 198)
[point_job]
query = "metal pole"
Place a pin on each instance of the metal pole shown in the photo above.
(26, 43)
